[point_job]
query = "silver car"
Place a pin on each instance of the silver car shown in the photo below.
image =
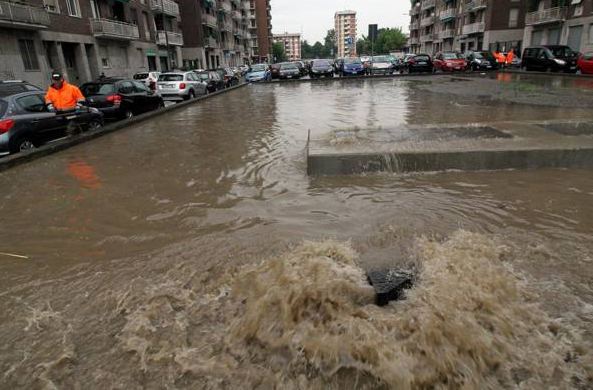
(177, 86)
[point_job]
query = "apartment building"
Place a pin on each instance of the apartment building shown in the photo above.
(260, 29)
(86, 38)
(548, 22)
(345, 26)
(463, 25)
(292, 45)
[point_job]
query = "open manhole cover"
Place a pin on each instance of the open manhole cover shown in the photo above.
(581, 128)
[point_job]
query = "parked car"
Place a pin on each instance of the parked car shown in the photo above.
(148, 78)
(120, 98)
(381, 65)
(338, 64)
(321, 68)
(15, 86)
(258, 72)
(302, 68)
(212, 79)
(228, 76)
(290, 70)
(449, 61)
(351, 67)
(26, 123)
(179, 86)
(549, 58)
(516, 62)
(585, 63)
(481, 60)
(275, 70)
(416, 63)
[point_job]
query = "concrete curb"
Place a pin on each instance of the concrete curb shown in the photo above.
(568, 75)
(54, 147)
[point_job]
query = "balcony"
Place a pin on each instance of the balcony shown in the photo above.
(174, 39)
(239, 47)
(414, 41)
(210, 43)
(111, 29)
(209, 20)
(236, 15)
(426, 38)
(550, 15)
(415, 25)
(475, 5)
(224, 6)
(226, 46)
(427, 4)
(166, 7)
(415, 10)
(427, 21)
(447, 14)
(447, 34)
(23, 16)
(474, 28)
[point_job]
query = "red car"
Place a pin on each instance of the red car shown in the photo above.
(449, 61)
(585, 63)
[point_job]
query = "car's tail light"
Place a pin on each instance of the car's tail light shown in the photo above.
(412, 61)
(182, 86)
(116, 99)
(6, 125)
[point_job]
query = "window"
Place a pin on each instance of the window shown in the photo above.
(95, 9)
(28, 54)
(513, 17)
(31, 103)
(52, 6)
(104, 56)
(126, 87)
(73, 8)
(146, 26)
(141, 87)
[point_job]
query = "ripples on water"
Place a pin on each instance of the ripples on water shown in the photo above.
(129, 235)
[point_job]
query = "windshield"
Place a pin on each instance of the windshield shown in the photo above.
(140, 76)
(289, 66)
(452, 56)
(320, 63)
(203, 76)
(354, 61)
(422, 58)
(381, 59)
(171, 77)
(97, 89)
(478, 55)
(259, 68)
(561, 52)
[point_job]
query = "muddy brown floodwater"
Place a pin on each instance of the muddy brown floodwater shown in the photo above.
(192, 251)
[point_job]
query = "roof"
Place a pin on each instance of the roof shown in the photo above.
(347, 12)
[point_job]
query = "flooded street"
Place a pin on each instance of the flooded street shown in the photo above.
(138, 243)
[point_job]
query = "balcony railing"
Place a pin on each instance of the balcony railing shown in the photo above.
(225, 6)
(226, 45)
(426, 21)
(426, 38)
(211, 43)
(239, 47)
(236, 15)
(446, 34)
(209, 20)
(415, 25)
(415, 10)
(23, 16)
(426, 4)
(166, 7)
(174, 39)
(448, 13)
(475, 5)
(414, 41)
(225, 25)
(106, 28)
(473, 28)
(549, 15)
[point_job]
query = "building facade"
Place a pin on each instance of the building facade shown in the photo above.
(292, 45)
(463, 25)
(86, 38)
(260, 29)
(345, 27)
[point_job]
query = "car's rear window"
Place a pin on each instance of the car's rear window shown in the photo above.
(171, 77)
(92, 89)
(562, 52)
(321, 63)
(140, 76)
(3, 107)
(452, 56)
(289, 65)
(11, 89)
(422, 58)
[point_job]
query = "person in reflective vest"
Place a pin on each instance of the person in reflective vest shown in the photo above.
(510, 56)
(62, 96)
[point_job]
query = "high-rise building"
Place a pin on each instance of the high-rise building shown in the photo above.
(462, 25)
(260, 28)
(345, 26)
(292, 45)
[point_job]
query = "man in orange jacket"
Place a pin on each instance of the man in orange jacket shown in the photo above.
(61, 95)
(510, 56)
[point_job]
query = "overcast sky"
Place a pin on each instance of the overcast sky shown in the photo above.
(315, 17)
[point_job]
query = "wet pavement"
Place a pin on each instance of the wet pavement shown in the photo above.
(118, 231)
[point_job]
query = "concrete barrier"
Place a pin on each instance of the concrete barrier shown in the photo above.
(54, 147)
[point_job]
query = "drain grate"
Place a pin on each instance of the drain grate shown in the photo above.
(452, 133)
(574, 129)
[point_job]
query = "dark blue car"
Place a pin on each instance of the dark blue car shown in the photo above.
(352, 67)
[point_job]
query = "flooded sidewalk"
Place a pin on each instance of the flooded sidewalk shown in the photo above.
(171, 254)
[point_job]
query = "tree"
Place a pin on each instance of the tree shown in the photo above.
(278, 51)
(306, 50)
(387, 40)
(330, 41)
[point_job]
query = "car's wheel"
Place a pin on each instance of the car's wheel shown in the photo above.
(22, 144)
(161, 104)
(127, 114)
(579, 71)
(191, 94)
(94, 125)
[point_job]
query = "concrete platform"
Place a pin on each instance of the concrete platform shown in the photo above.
(478, 146)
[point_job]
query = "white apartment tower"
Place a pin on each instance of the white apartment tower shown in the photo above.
(292, 45)
(345, 25)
